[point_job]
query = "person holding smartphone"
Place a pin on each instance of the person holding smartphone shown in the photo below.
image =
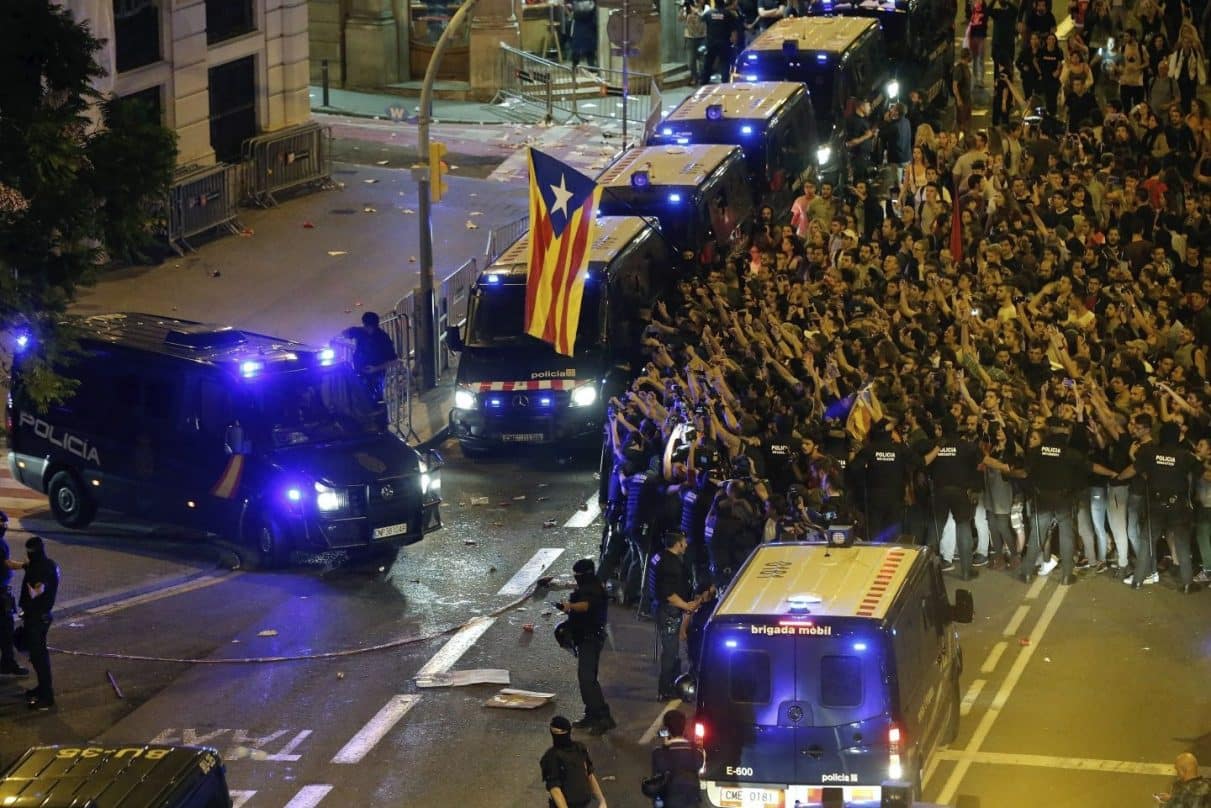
(1188, 790)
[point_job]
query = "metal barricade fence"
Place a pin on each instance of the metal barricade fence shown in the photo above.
(500, 238)
(199, 200)
(528, 78)
(286, 159)
(451, 304)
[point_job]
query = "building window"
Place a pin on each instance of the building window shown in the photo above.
(232, 107)
(136, 33)
(150, 100)
(227, 19)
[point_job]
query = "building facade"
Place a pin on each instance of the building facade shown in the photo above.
(217, 71)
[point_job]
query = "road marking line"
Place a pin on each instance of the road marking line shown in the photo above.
(1015, 622)
(1011, 681)
(455, 647)
(649, 734)
(930, 769)
(375, 729)
(286, 755)
(531, 571)
(160, 594)
(238, 798)
(308, 797)
(994, 656)
(585, 517)
(973, 693)
(1050, 762)
(1036, 588)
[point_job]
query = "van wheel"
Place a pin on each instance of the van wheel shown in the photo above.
(69, 502)
(273, 551)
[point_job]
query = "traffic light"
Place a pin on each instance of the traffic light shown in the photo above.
(437, 171)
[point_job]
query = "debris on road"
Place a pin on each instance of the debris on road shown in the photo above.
(491, 570)
(584, 506)
(479, 500)
(369, 209)
(269, 632)
(382, 162)
(407, 211)
(336, 253)
(519, 497)
(542, 499)
(370, 181)
(527, 627)
(113, 682)
(340, 674)
(513, 699)
(476, 213)
(470, 542)
(470, 225)
(308, 226)
(478, 676)
(504, 504)
(550, 523)
(411, 259)
(1023, 641)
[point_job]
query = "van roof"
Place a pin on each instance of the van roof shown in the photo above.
(187, 339)
(611, 234)
(822, 34)
(859, 581)
(102, 777)
(669, 166)
(758, 100)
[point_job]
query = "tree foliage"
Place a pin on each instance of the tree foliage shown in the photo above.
(71, 192)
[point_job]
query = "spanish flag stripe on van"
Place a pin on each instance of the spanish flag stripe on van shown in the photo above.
(229, 480)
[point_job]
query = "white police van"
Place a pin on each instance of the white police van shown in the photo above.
(826, 672)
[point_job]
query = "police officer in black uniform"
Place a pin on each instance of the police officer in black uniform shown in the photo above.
(8, 607)
(777, 449)
(372, 352)
(675, 602)
(954, 473)
(881, 469)
(1168, 469)
(586, 608)
(1057, 473)
(39, 588)
(722, 20)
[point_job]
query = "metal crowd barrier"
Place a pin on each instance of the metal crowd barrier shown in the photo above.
(199, 200)
(500, 238)
(453, 294)
(286, 159)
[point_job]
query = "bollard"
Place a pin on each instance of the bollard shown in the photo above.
(324, 81)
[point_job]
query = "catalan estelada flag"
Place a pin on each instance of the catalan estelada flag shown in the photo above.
(865, 412)
(563, 210)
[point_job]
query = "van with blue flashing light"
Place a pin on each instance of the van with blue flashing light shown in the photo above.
(827, 673)
(837, 58)
(772, 122)
(698, 194)
(514, 389)
(263, 440)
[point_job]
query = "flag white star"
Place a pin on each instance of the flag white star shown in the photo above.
(562, 195)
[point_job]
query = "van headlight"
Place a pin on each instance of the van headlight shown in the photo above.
(584, 396)
(464, 399)
(823, 155)
(328, 499)
(892, 90)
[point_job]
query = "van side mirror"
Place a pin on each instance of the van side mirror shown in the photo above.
(454, 338)
(964, 607)
(234, 440)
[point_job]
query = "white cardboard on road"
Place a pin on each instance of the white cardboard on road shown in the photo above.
(479, 676)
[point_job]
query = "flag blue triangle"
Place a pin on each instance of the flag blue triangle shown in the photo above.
(563, 189)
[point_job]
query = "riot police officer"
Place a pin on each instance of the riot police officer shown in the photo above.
(586, 609)
(1056, 473)
(882, 468)
(674, 604)
(1168, 468)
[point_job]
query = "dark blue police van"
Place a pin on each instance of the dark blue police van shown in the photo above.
(252, 437)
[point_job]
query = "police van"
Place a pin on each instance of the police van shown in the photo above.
(515, 389)
(827, 670)
(772, 122)
(135, 776)
(838, 58)
(919, 35)
(269, 441)
(699, 194)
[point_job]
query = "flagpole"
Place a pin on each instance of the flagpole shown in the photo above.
(426, 326)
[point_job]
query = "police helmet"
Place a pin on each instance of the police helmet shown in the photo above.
(563, 636)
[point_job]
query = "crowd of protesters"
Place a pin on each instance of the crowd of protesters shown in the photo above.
(1070, 303)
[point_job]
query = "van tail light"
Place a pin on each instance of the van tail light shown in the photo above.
(893, 738)
(699, 731)
(895, 770)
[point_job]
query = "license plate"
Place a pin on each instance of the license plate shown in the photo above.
(730, 797)
(390, 530)
(523, 437)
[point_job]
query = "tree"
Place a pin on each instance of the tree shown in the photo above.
(71, 193)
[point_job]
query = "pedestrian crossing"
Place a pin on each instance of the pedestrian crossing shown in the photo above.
(15, 499)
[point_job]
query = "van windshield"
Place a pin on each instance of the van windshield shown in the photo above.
(315, 406)
(497, 317)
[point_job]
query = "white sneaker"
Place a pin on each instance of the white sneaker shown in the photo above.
(1048, 565)
(1129, 580)
(1152, 579)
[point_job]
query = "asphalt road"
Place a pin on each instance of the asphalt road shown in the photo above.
(1083, 694)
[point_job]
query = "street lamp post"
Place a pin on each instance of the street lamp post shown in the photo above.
(426, 348)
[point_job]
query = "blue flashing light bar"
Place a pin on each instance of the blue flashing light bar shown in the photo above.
(492, 278)
(251, 367)
(294, 494)
(746, 130)
(681, 141)
(750, 57)
(668, 130)
(640, 179)
(327, 357)
(22, 342)
(821, 57)
(675, 198)
(714, 112)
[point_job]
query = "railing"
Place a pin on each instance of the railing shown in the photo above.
(199, 200)
(499, 238)
(286, 159)
(560, 94)
(452, 297)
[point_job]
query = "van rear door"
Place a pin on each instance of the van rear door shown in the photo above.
(841, 737)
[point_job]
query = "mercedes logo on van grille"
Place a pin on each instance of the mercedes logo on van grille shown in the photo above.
(521, 400)
(386, 492)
